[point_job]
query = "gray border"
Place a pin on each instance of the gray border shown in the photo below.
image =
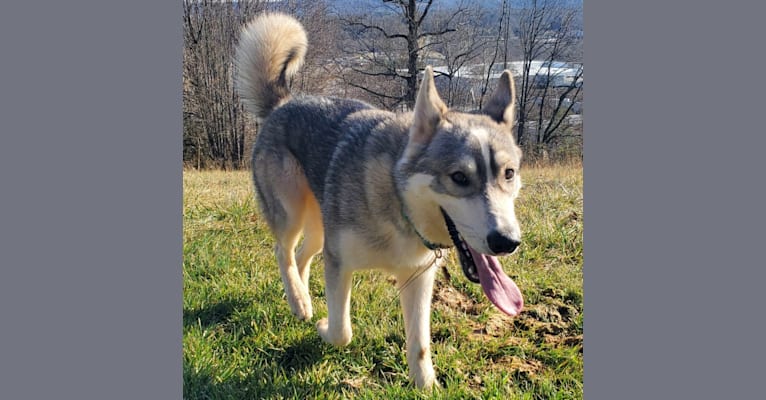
(90, 210)
(90, 239)
(674, 200)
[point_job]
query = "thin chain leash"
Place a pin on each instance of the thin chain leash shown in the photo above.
(438, 255)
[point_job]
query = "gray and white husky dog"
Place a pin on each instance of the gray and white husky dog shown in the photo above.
(374, 189)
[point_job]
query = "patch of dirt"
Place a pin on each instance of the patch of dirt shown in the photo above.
(549, 329)
(496, 326)
(449, 299)
(552, 321)
(569, 297)
(529, 367)
(545, 313)
(564, 340)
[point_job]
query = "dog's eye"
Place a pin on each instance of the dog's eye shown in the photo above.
(509, 172)
(459, 178)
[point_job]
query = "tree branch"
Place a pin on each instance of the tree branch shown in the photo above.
(377, 28)
(425, 12)
(386, 73)
(368, 90)
(548, 133)
(447, 30)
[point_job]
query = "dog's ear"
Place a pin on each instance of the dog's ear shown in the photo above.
(502, 105)
(429, 110)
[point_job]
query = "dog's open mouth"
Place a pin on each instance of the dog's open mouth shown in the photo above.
(487, 271)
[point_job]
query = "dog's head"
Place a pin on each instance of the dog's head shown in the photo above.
(459, 177)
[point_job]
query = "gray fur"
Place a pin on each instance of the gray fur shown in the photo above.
(308, 127)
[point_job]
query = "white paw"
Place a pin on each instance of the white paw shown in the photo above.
(330, 337)
(301, 307)
(426, 380)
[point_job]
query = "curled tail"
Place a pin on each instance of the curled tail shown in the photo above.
(271, 49)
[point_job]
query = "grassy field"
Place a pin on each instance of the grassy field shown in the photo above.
(241, 341)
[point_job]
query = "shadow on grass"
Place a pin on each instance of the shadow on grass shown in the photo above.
(212, 314)
(302, 354)
(201, 386)
(286, 362)
(292, 357)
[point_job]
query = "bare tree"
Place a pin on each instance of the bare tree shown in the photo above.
(402, 29)
(502, 23)
(215, 124)
(218, 132)
(547, 33)
(554, 99)
(459, 49)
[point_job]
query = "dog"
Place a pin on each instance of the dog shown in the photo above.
(371, 188)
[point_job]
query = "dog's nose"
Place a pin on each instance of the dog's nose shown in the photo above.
(501, 244)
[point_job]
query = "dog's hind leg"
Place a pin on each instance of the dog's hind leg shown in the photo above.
(416, 292)
(297, 293)
(336, 328)
(313, 238)
(284, 203)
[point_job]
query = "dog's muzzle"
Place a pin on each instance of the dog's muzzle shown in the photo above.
(486, 269)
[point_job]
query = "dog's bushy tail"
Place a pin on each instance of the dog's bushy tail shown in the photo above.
(270, 51)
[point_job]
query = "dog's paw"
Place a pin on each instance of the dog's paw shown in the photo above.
(301, 308)
(423, 375)
(341, 338)
(426, 381)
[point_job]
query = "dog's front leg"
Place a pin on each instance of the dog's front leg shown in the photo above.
(416, 305)
(336, 328)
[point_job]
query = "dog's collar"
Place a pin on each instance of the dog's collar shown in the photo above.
(430, 245)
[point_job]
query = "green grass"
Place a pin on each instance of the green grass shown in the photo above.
(241, 341)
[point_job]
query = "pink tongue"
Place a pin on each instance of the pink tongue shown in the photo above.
(499, 288)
